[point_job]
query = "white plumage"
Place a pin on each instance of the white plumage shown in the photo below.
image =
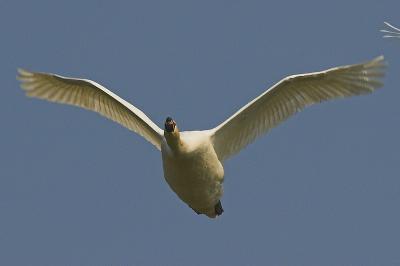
(392, 31)
(192, 160)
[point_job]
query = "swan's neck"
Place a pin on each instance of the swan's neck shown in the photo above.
(174, 140)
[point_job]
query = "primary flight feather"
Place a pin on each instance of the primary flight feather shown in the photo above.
(392, 31)
(192, 160)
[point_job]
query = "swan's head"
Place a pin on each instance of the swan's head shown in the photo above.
(170, 125)
(171, 134)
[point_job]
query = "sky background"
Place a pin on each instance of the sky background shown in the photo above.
(76, 189)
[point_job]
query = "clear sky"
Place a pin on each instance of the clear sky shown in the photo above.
(77, 189)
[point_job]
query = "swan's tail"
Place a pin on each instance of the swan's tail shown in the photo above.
(213, 212)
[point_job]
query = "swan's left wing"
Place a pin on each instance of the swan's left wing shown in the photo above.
(92, 96)
(289, 96)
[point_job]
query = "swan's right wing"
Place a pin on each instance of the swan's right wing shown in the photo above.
(92, 96)
(288, 97)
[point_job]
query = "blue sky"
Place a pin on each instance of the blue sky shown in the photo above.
(76, 189)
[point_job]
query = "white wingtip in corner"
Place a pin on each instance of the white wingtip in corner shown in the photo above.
(391, 31)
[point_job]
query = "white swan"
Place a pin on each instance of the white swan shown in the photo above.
(393, 32)
(192, 160)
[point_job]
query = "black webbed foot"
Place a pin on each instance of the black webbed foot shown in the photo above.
(218, 208)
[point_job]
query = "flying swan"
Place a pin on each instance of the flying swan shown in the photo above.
(193, 160)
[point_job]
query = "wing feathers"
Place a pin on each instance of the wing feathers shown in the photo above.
(92, 96)
(289, 96)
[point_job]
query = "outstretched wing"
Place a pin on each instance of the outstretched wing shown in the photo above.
(92, 96)
(289, 96)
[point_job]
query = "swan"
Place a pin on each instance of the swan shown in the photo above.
(193, 160)
(393, 32)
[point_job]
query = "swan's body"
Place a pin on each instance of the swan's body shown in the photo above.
(193, 160)
(193, 171)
